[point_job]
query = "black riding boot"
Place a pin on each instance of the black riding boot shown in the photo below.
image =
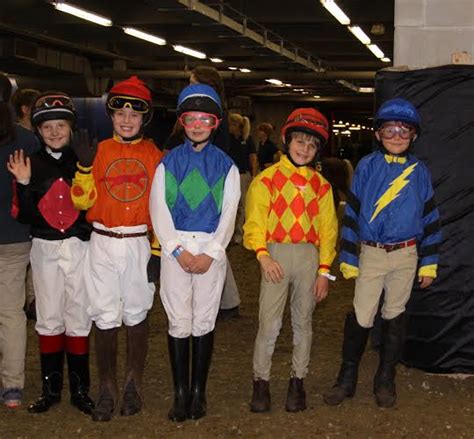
(137, 347)
(106, 355)
(355, 339)
(79, 382)
(179, 358)
(202, 353)
(393, 332)
(52, 365)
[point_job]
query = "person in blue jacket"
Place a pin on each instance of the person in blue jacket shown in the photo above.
(193, 204)
(391, 226)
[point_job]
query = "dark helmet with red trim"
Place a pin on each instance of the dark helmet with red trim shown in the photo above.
(52, 105)
(306, 120)
(398, 110)
(131, 93)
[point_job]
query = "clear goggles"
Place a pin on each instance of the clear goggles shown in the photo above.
(193, 119)
(404, 131)
(51, 101)
(121, 102)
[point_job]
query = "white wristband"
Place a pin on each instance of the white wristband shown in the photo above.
(329, 276)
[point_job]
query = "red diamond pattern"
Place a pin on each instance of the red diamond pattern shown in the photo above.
(297, 205)
(279, 234)
(313, 208)
(312, 236)
(298, 180)
(279, 180)
(296, 233)
(280, 205)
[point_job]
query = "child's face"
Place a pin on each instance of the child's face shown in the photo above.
(127, 122)
(396, 136)
(198, 126)
(303, 148)
(55, 133)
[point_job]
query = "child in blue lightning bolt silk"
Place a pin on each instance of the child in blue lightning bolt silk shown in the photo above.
(391, 221)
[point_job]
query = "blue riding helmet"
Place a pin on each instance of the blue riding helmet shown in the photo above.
(199, 97)
(398, 109)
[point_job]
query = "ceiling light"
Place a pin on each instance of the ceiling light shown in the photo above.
(298, 89)
(376, 51)
(232, 68)
(144, 36)
(336, 11)
(216, 60)
(81, 13)
(287, 85)
(386, 59)
(354, 128)
(339, 125)
(190, 52)
(366, 89)
(274, 81)
(360, 34)
(317, 97)
(245, 70)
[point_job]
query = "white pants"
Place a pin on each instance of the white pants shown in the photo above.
(191, 301)
(61, 298)
(116, 278)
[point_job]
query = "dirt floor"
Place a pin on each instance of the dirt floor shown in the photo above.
(428, 406)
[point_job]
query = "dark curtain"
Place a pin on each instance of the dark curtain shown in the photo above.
(440, 331)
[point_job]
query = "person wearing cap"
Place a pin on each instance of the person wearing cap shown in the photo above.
(391, 227)
(291, 226)
(60, 236)
(15, 245)
(193, 205)
(120, 269)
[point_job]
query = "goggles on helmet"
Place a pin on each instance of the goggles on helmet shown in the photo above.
(121, 102)
(51, 101)
(405, 131)
(193, 119)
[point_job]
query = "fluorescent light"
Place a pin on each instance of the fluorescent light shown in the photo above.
(360, 34)
(232, 68)
(144, 36)
(216, 60)
(317, 97)
(298, 89)
(366, 90)
(354, 128)
(245, 70)
(190, 52)
(287, 85)
(305, 92)
(274, 81)
(339, 125)
(336, 11)
(376, 51)
(81, 13)
(386, 59)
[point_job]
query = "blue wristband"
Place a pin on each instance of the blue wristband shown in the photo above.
(177, 251)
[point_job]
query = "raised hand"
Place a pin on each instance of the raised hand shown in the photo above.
(84, 147)
(19, 165)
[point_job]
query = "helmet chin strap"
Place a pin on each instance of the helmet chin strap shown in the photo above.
(195, 144)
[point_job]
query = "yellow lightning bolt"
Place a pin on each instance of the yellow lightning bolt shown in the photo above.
(393, 191)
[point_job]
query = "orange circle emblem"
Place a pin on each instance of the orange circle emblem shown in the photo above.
(126, 179)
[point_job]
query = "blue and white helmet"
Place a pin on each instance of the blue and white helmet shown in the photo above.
(399, 110)
(199, 97)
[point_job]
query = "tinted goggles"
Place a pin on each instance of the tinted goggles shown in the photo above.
(51, 101)
(405, 132)
(121, 102)
(194, 119)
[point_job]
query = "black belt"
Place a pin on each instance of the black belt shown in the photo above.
(118, 235)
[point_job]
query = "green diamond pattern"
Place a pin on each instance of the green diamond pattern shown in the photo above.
(218, 193)
(171, 186)
(194, 189)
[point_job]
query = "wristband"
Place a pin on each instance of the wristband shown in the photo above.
(329, 276)
(177, 251)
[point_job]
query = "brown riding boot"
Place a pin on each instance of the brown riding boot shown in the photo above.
(296, 397)
(137, 347)
(106, 341)
(261, 396)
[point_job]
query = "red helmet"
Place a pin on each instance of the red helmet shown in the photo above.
(132, 93)
(306, 120)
